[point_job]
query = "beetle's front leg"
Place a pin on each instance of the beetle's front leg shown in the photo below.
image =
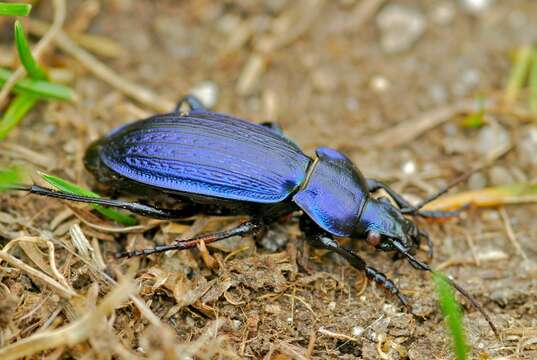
(404, 205)
(320, 239)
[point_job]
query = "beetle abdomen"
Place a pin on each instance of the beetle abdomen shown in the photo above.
(208, 154)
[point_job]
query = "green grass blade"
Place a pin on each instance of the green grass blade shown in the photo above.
(519, 73)
(10, 177)
(532, 101)
(25, 54)
(71, 188)
(452, 315)
(15, 112)
(11, 9)
(39, 88)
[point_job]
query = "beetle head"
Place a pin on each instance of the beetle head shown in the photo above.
(387, 228)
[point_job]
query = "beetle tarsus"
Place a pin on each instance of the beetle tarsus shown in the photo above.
(192, 101)
(134, 207)
(242, 229)
(382, 280)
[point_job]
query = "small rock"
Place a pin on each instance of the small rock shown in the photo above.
(357, 331)
(409, 167)
(379, 83)
(491, 138)
(207, 92)
(477, 181)
(476, 7)
(273, 309)
(400, 27)
(443, 13)
(438, 93)
(528, 148)
(500, 176)
(352, 104)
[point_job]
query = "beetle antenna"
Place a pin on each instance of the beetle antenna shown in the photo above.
(449, 186)
(423, 266)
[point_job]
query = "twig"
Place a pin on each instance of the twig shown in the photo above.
(335, 335)
(73, 333)
(363, 11)
(13, 261)
(408, 130)
(511, 234)
(129, 88)
(42, 45)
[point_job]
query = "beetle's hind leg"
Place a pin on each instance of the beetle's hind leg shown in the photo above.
(134, 207)
(320, 239)
(242, 229)
(273, 126)
(192, 101)
(405, 206)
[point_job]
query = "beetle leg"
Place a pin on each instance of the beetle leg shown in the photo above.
(320, 239)
(134, 207)
(242, 229)
(192, 101)
(273, 126)
(405, 206)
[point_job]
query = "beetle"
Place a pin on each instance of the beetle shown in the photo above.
(218, 164)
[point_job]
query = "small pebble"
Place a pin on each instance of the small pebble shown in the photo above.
(332, 306)
(527, 147)
(443, 13)
(409, 167)
(273, 309)
(400, 27)
(352, 104)
(207, 92)
(477, 181)
(379, 83)
(491, 138)
(500, 176)
(357, 331)
(476, 7)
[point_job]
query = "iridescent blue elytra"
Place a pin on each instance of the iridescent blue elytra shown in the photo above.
(207, 154)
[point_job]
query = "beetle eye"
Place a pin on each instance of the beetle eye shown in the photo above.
(373, 238)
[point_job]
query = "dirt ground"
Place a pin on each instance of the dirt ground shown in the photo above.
(332, 73)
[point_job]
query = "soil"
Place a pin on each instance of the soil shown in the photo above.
(333, 84)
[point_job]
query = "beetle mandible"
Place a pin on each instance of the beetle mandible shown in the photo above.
(217, 164)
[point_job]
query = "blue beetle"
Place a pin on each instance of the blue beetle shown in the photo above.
(217, 164)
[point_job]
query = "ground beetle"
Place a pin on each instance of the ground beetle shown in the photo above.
(217, 164)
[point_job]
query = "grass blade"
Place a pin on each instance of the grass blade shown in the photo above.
(25, 54)
(71, 188)
(9, 178)
(491, 196)
(452, 315)
(11, 9)
(15, 112)
(39, 88)
(532, 101)
(519, 73)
